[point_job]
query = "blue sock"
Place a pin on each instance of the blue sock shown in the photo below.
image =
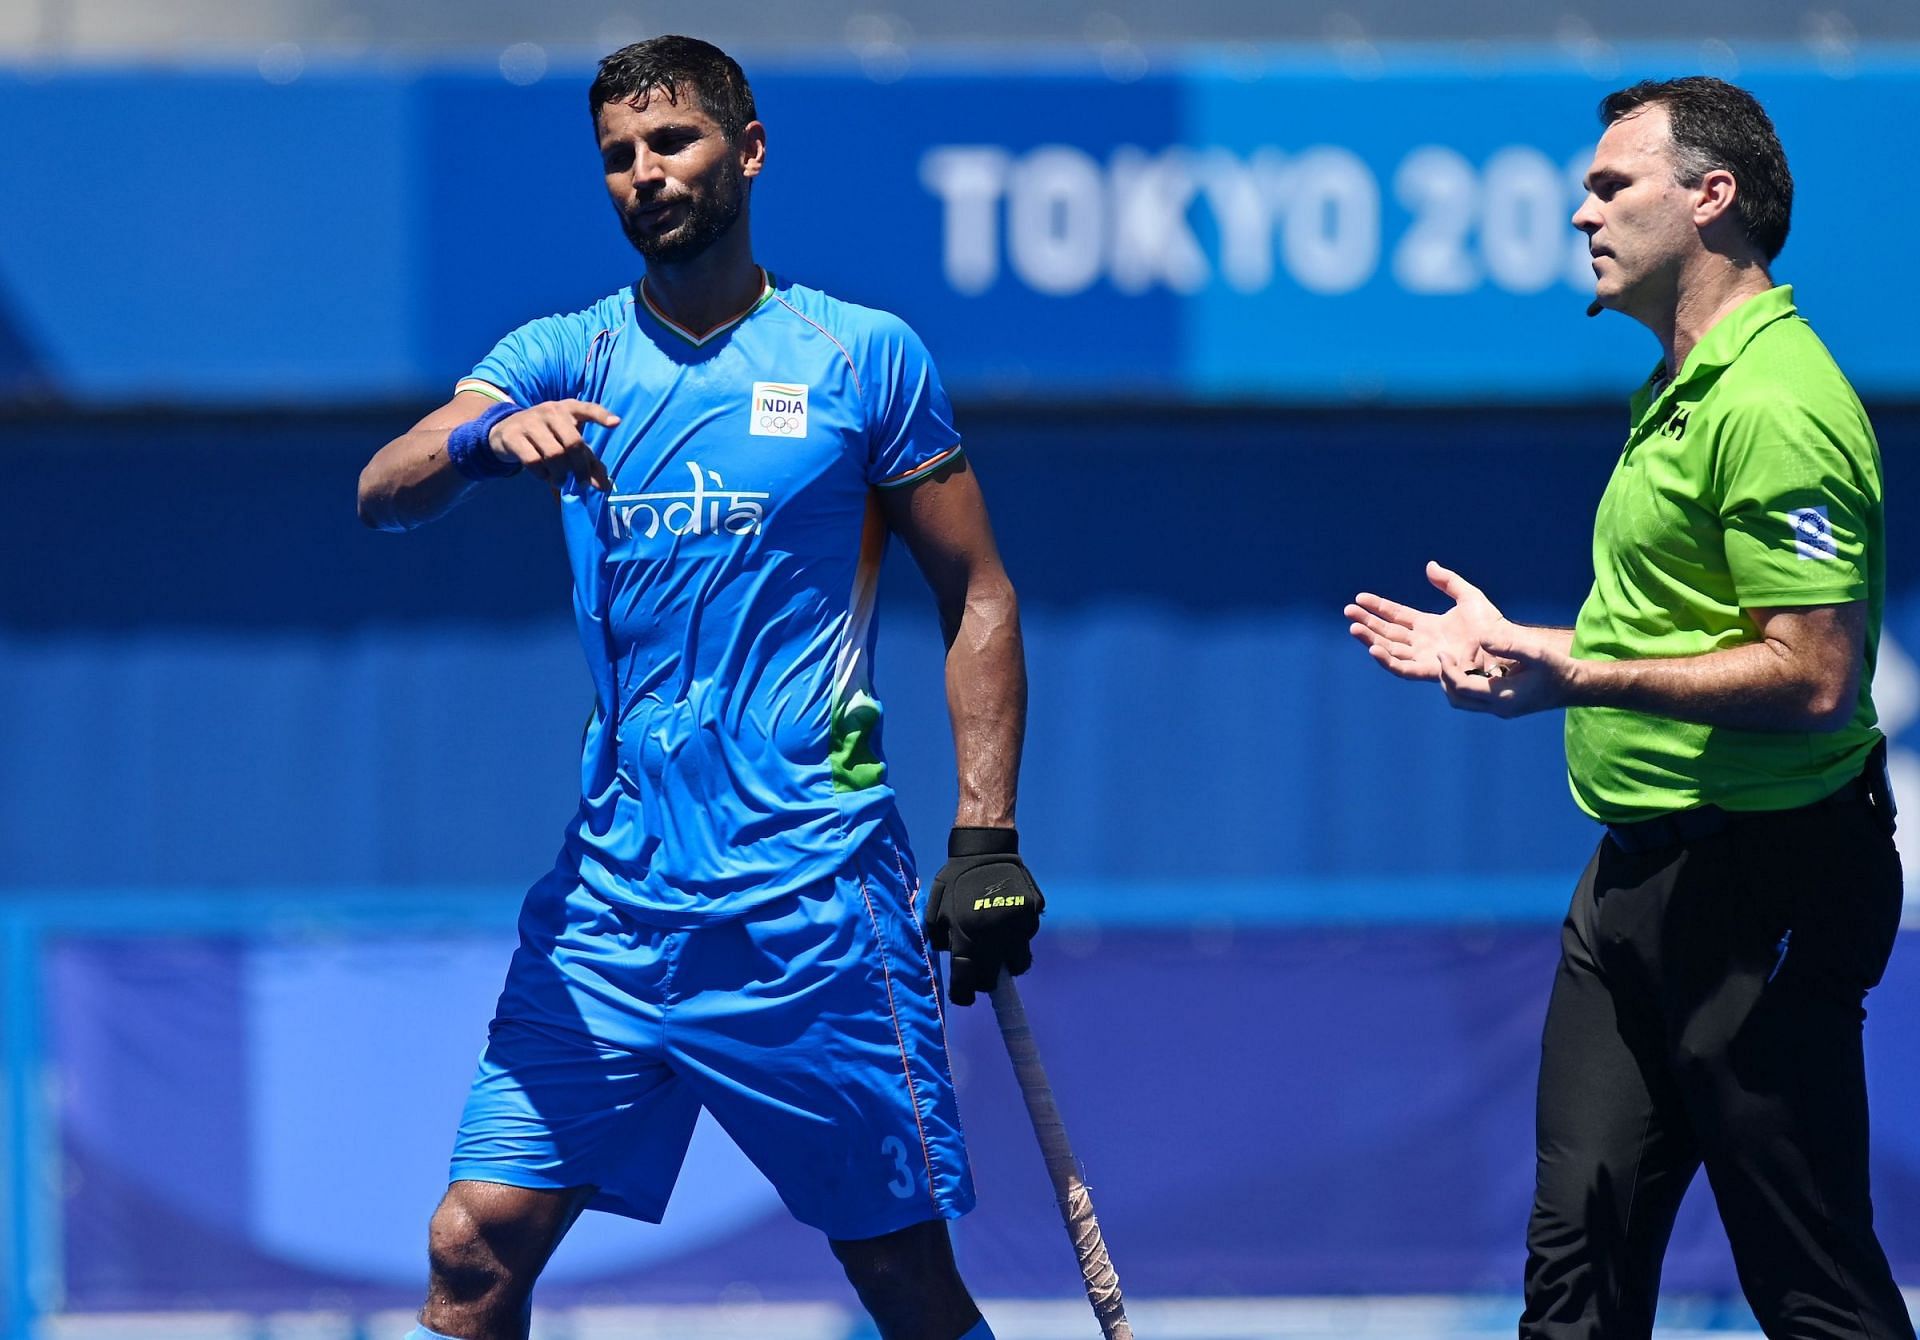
(422, 1333)
(980, 1331)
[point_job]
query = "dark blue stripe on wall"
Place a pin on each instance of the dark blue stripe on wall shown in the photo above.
(233, 682)
(248, 523)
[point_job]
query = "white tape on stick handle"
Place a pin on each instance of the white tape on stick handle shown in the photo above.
(1069, 1190)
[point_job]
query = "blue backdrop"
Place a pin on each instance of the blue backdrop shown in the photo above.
(1273, 226)
(1302, 916)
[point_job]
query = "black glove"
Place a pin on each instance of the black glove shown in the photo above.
(983, 911)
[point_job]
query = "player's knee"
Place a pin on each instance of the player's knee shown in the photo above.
(908, 1281)
(1699, 1056)
(467, 1268)
(887, 1279)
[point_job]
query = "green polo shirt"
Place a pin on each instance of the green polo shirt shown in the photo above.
(1751, 481)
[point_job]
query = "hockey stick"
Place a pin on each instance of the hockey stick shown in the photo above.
(1069, 1191)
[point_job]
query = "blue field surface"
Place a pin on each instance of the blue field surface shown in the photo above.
(1356, 1318)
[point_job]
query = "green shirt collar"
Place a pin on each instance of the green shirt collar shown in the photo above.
(1721, 344)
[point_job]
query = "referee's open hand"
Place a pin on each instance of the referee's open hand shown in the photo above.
(1410, 643)
(546, 439)
(984, 911)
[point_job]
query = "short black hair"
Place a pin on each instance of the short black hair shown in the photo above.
(1717, 125)
(672, 65)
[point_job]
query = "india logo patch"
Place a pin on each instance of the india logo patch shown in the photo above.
(778, 410)
(1812, 532)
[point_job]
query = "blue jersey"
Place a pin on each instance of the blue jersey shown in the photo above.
(724, 589)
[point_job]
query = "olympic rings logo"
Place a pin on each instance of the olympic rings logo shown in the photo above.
(778, 409)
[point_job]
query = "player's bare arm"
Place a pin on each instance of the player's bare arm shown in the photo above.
(1801, 673)
(984, 908)
(413, 480)
(943, 521)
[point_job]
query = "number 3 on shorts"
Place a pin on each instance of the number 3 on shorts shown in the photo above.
(896, 1149)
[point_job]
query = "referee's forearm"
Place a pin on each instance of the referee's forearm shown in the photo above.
(1752, 687)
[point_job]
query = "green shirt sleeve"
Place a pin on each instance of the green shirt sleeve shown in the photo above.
(1795, 506)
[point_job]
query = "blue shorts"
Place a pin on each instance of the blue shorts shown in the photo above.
(810, 1027)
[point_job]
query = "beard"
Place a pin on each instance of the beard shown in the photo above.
(709, 216)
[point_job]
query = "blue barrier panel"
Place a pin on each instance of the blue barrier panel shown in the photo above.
(1279, 226)
(28, 1204)
(255, 1097)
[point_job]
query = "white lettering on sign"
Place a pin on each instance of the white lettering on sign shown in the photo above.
(969, 181)
(1059, 220)
(1524, 228)
(1331, 241)
(1153, 244)
(1056, 229)
(1245, 199)
(1439, 188)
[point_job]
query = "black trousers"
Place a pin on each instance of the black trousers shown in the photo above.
(1707, 1011)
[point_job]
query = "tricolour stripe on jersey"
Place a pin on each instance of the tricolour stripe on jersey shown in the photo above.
(922, 470)
(855, 711)
(487, 389)
(766, 291)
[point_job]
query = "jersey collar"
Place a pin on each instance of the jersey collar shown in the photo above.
(1719, 346)
(646, 300)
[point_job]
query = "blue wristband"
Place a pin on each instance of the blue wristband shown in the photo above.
(467, 446)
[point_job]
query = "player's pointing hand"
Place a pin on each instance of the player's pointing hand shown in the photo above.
(547, 440)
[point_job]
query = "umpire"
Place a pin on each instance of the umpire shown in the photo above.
(1709, 1000)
